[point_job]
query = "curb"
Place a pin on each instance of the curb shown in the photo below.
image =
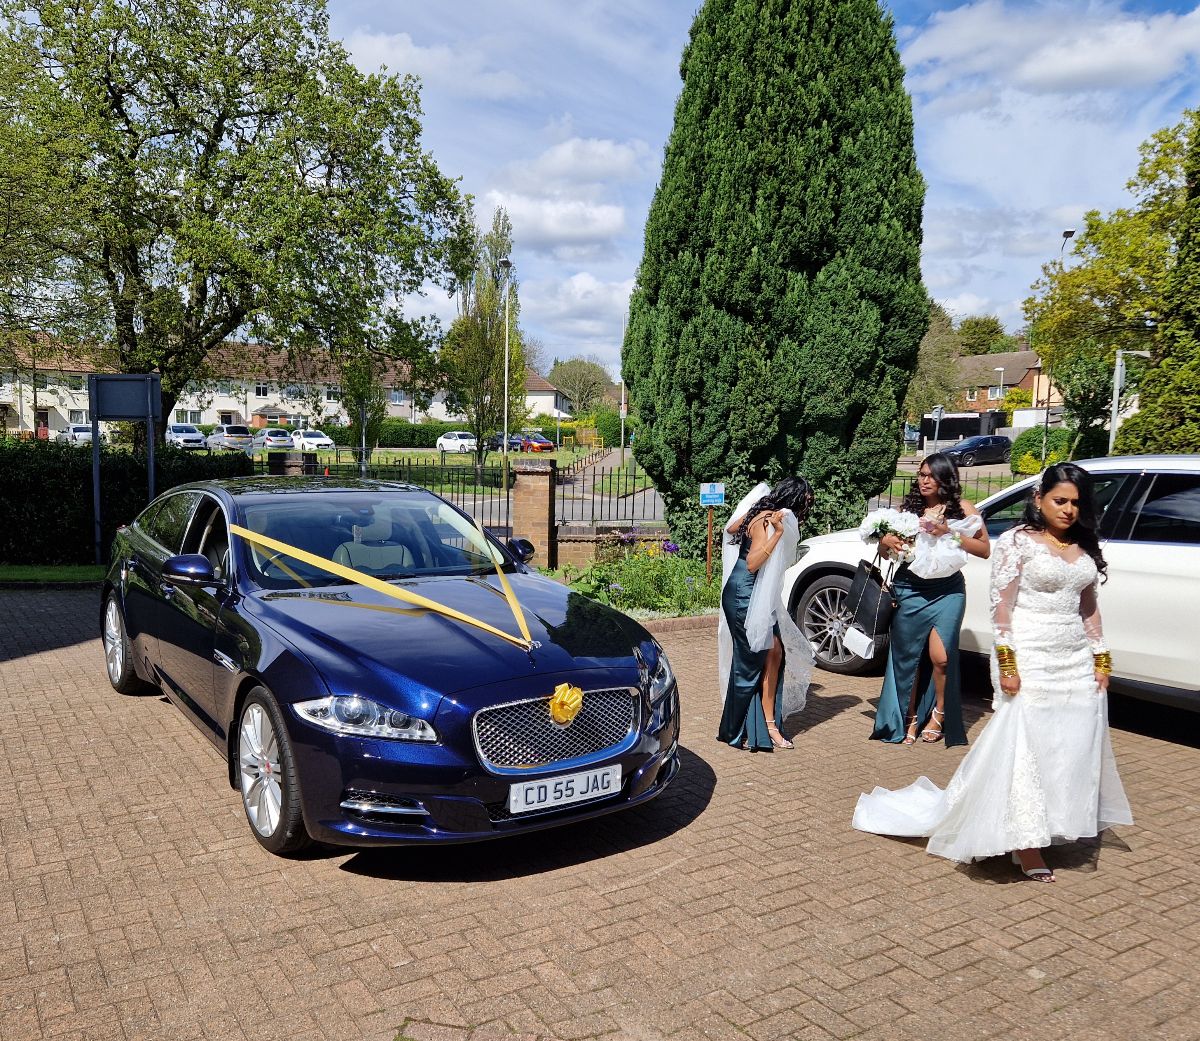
(674, 625)
(51, 585)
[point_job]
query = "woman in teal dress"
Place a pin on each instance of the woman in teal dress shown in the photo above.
(930, 600)
(753, 661)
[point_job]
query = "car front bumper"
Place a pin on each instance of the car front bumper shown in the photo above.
(367, 792)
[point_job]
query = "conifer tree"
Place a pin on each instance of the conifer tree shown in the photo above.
(1168, 418)
(778, 308)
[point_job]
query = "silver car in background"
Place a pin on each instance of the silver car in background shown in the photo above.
(231, 436)
(271, 438)
(184, 435)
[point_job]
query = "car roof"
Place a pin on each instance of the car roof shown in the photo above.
(260, 488)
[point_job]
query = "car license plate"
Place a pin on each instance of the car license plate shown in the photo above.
(561, 791)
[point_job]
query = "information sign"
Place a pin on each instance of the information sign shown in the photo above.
(712, 495)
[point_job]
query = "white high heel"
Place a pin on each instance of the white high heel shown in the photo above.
(1038, 874)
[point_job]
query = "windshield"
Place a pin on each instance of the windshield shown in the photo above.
(387, 535)
(970, 442)
(238, 431)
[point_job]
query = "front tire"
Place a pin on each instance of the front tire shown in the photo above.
(823, 615)
(267, 776)
(968, 460)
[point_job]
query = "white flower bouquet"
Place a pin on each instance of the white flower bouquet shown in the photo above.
(905, 526)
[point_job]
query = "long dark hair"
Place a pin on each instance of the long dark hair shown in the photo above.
(1083, 531)
(792, 493)
(949, 490)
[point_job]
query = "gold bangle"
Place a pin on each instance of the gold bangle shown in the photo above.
(1103, 662)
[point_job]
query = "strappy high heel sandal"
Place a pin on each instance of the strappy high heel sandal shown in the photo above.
(1038, 874)
(777, 739)
(910, 735)
(933, 729)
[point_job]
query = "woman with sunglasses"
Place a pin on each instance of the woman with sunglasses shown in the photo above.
(921, 688)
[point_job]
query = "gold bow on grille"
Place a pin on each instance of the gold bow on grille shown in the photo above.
(565, 704)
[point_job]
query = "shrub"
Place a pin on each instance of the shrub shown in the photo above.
(1027, 449)
(42, 528)
(647, 575)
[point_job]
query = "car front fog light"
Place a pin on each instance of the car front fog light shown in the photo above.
(358, 715)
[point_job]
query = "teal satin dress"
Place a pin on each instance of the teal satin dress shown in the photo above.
(922, 605)
(743, 721)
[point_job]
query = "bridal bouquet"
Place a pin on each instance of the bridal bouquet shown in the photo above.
(904, 526)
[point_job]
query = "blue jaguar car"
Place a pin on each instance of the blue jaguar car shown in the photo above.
(378, 671)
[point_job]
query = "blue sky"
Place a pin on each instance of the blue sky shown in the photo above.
(1027, 114)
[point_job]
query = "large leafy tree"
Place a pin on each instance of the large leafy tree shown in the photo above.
(936, 380)
(583, 380)
(983, 334)
(1168, 419)
(778, 307)
(198, 169)
(1112, 294)
(473, 355)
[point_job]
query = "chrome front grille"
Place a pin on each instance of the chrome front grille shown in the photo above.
(522, 736)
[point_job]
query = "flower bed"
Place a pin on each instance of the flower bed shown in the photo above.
(647, 577)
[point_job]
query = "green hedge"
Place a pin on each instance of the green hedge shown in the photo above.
(396, 433)
(46, 508)
(1027, 448)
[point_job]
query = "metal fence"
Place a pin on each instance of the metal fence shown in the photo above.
(974, 487)
(607, 494)
(479, 492)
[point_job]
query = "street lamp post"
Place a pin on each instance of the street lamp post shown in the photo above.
(1067, 233)
(1118, 383)
(1000, 370)
(506, 264)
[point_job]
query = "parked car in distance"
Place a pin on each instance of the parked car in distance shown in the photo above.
(184, 435)
(312, 441)
(992, 448)
(457, 441)
(231, 436)
(347, 718)
(1149, 526)
(77, 434)
(515, 441)
(536, 442)
(271, 438)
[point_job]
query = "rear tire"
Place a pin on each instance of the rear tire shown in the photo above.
(1007, 455)
(823, 615)
(118, 651)
(267, 776)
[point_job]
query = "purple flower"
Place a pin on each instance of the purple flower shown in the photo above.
(691, 581)
(616, 587)
(670, 547)
(629, 537)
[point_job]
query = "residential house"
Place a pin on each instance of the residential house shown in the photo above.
(543, 398)
(985, 378)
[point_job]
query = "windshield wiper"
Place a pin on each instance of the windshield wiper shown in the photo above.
(395, 574)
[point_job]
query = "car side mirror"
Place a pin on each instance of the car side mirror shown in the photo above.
(189, 569)
(522, 549)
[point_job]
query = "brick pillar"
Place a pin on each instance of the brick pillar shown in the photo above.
(533, 508)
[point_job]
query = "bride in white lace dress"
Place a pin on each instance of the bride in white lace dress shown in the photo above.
(1042, 771)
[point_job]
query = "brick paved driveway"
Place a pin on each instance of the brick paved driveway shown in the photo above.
(134, 904)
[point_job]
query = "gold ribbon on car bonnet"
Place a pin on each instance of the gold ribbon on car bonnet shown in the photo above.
(397, 593)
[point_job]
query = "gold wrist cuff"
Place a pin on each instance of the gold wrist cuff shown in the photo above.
(1103, 662)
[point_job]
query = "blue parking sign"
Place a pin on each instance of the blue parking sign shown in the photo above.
(712, 495)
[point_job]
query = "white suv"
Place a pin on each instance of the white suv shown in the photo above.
(457, 441)
(77, 434)
(1149, 510)
(185, 436)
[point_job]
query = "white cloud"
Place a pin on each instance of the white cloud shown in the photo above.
(462, 73)
(583, 161)
(581, 310)
(561, 226)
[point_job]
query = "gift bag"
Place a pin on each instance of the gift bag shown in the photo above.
(870, 599)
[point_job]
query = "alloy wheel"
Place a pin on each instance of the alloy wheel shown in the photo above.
(826, 619)
(259, 768)
(114, 642)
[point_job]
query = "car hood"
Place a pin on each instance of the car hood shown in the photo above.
(365, 642)
(845, 535)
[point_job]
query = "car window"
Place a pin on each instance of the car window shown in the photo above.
(167, 524)
(1169, 511)
(208, 534)
(1007, 512)
(239, 431)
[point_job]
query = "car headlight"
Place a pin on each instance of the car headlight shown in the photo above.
(356, 715)
(662, 678)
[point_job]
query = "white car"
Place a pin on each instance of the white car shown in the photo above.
(1149, 525)
(457, 441)
(76, 434)
(312, 441)
(185, 436)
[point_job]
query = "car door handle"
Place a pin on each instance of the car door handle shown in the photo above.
(166, 589)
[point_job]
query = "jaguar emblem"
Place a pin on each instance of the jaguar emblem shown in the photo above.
(565, 704)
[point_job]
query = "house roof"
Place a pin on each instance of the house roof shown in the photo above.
(980, 370)
(536, 384)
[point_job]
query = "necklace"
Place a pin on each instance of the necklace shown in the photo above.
(1058, 542)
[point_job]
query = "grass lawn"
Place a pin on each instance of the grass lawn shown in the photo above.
(623, 481)
(51, 572)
